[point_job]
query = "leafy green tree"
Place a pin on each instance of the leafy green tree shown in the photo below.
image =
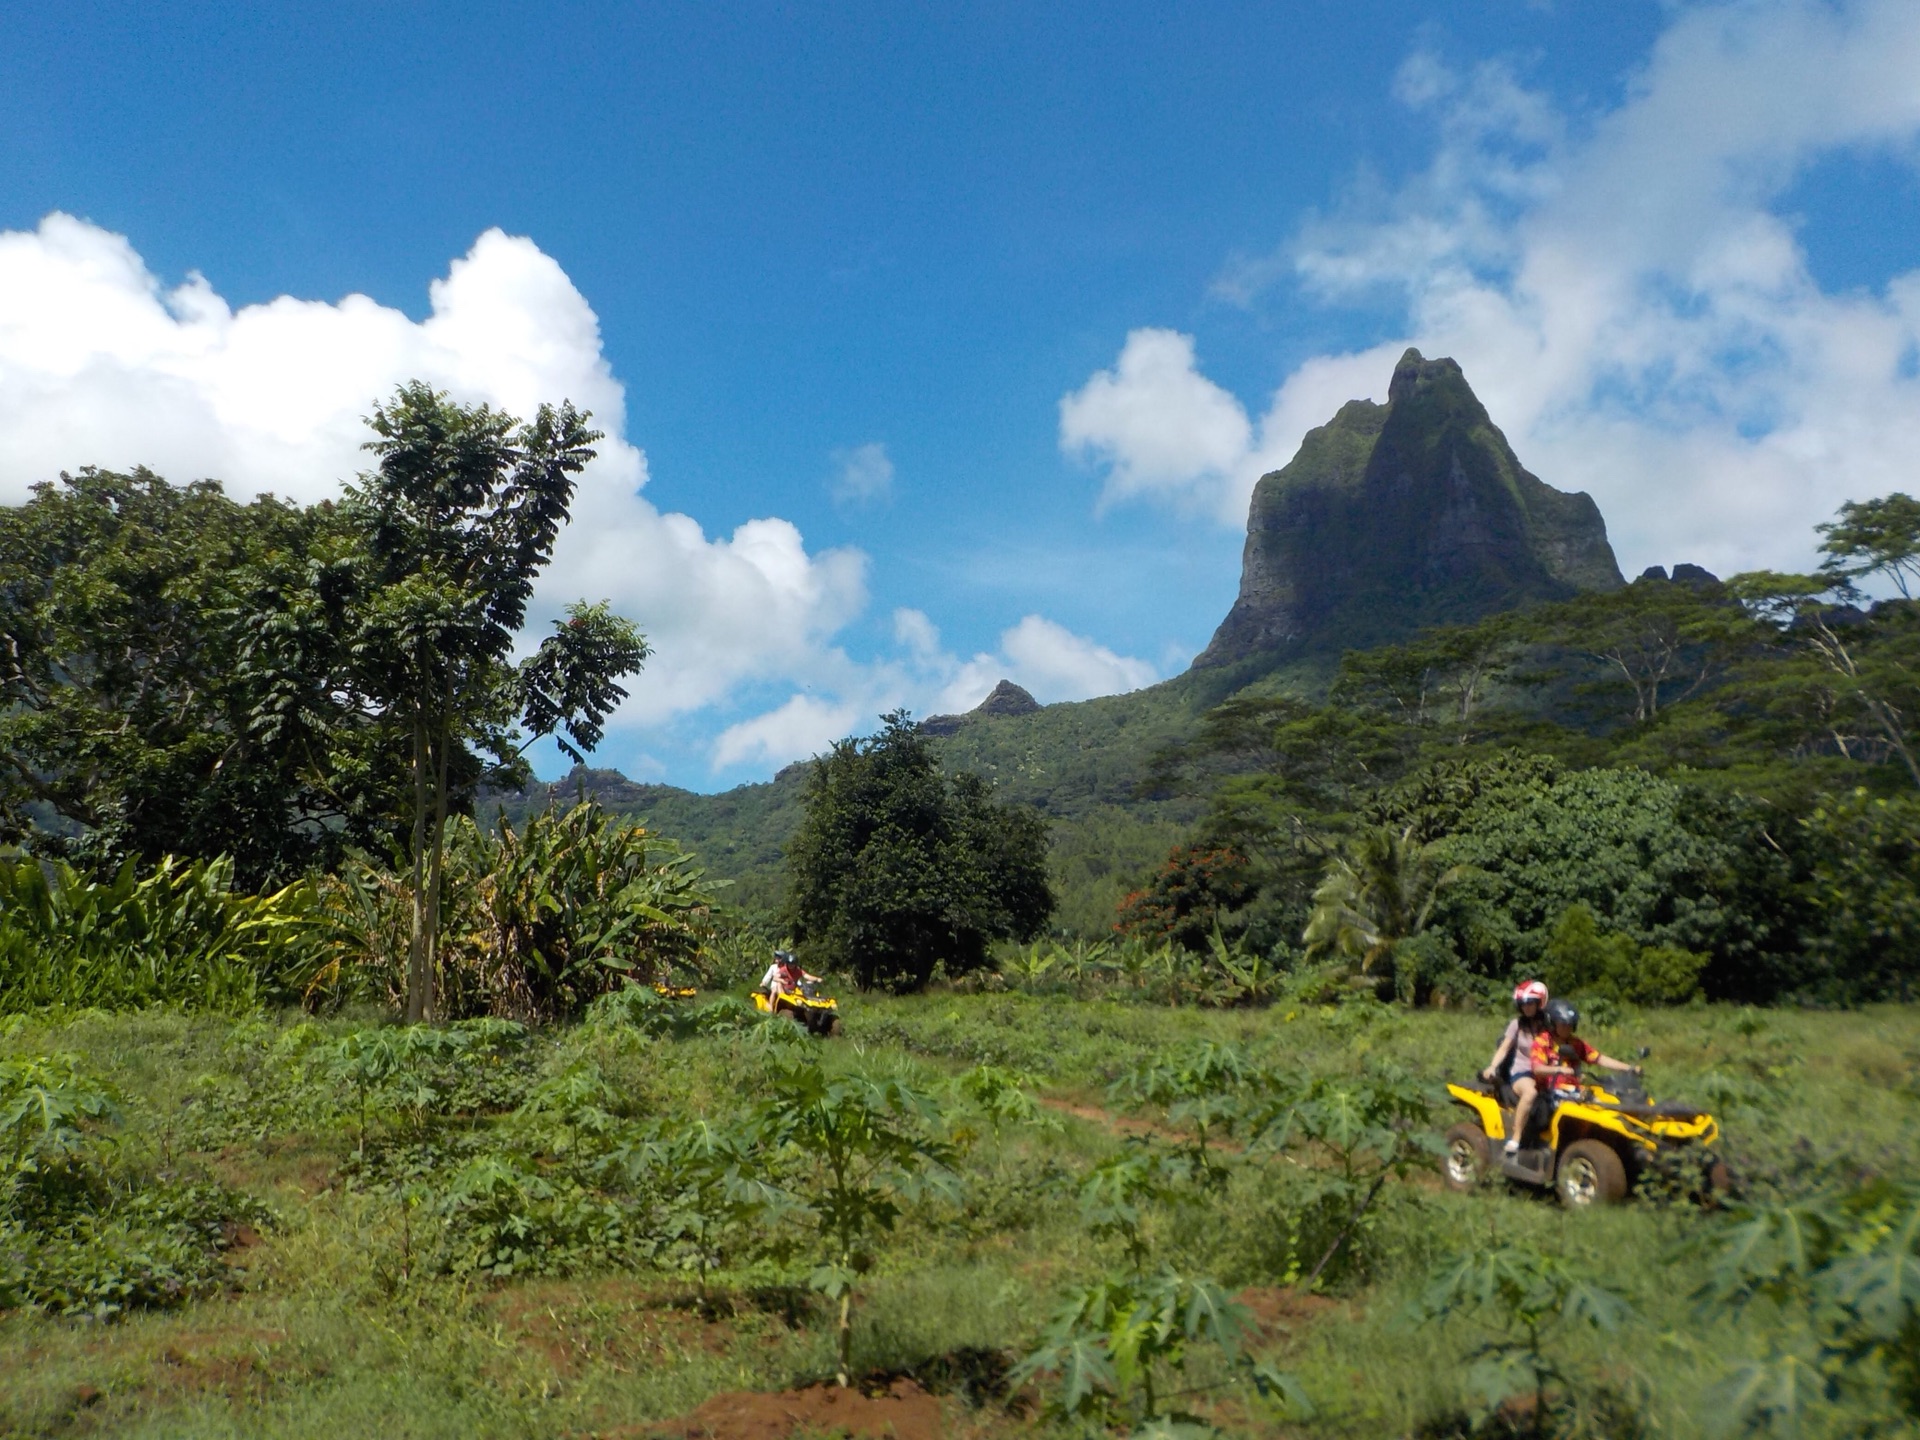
(896, 868)
(1874, 537)
(1837, 678)
(1637, 849)
(459, 520)
(1580, 960)
(1864, 889)
(133, 720)
(1658, 642)
(1439, 680)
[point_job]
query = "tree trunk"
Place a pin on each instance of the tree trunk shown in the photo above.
(418, 984)
(845, 1337)
(435, 868)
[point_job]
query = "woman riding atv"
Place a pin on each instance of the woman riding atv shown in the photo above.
(784, 978)
(1513, 1057)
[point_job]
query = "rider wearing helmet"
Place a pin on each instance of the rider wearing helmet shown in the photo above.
(1515, 1052)
(1558, 1053)
(784, 977)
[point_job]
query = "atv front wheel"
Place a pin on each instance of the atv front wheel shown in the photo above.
(1590, 1173)
(1469, 1157)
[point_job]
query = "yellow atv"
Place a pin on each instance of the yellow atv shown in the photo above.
(818, 1013)
(1593, 1146)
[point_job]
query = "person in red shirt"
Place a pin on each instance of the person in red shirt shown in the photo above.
(1559, 1054)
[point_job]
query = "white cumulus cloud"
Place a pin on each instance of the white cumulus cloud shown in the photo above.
(101, 364)
(805, 725)
(1045, 657)
(1627, 294)
(1039, 655)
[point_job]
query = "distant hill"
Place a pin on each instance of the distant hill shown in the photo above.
(1391, 519)
(1396, 517)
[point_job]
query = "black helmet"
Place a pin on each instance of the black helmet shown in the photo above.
(783, 957)
(1563, 1012)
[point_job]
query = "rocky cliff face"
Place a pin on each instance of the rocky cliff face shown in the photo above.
(1400, 516)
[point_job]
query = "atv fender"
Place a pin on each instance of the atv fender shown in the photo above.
(1485, 1107)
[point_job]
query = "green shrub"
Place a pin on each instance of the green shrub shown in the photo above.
(81, 1234)
(1580, 959)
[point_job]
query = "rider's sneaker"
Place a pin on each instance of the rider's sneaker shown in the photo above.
(1512, 1147)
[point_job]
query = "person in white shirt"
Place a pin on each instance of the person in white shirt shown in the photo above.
(784, 977)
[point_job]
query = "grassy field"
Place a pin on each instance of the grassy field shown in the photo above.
(349, 1303)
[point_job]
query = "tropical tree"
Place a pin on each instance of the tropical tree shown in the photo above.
(1874, 537)
(1381, 892)
(1659, 641)
(133, 719)
(896, 867)
(1841, 680)
(458, 521)
(1187, 898)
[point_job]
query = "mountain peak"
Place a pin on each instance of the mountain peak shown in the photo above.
(1006, 698)
(1396, 517)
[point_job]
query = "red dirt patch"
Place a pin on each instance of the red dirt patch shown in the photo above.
(902, 1412)
(225, 1362)
(1107, 1120)
(1278, 1309)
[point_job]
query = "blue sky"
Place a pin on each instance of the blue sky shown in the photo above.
(980, 320)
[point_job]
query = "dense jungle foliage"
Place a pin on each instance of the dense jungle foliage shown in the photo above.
(1717, 777)
(897, 869)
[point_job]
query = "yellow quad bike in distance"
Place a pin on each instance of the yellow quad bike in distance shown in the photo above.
(1593, 1147)
(818, 1013)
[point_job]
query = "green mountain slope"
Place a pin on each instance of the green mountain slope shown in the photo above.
(1392, 518)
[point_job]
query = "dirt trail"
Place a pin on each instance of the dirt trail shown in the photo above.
(1108, 1120)
(902, 1412)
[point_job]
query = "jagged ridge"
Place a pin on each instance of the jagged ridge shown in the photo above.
(1400, 516)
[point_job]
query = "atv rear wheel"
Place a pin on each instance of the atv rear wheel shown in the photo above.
(1590, 1173)
(1469, 1157)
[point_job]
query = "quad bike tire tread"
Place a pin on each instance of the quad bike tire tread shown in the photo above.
(1467, 1141)
(1590, 1173)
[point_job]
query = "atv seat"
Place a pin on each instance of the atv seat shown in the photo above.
(1500, 1090)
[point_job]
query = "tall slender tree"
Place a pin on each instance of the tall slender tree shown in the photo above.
(459, 520)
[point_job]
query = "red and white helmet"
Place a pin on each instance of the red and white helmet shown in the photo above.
(1529, 990)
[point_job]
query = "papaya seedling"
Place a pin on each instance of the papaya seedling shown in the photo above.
(1529, 1299)
(860, 1148)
